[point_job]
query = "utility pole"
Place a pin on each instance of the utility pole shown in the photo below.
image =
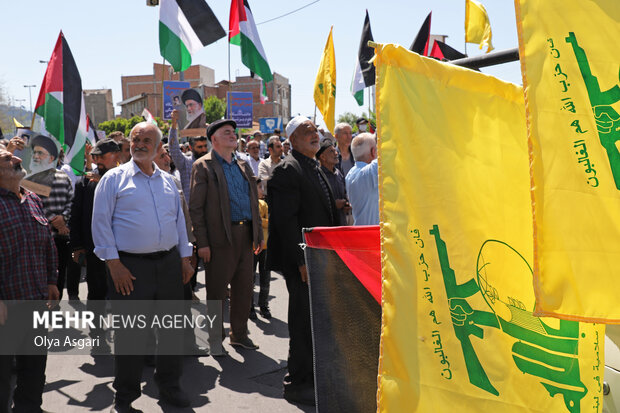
(30, 94)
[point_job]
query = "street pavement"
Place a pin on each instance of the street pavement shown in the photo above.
(243, 381)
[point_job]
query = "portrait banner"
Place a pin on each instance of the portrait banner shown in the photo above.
(570, 61)
(458, 327)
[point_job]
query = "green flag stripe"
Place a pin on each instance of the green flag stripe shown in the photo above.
(52, 112)
(359, 97)
(173, 49)
(251, 57)
(236, 39)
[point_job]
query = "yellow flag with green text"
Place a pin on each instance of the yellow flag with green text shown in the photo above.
(570, 54)
(458, 331)
(325, 84)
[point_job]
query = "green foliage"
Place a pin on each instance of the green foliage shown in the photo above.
(125, 125)
(214, 108)
(350, 118)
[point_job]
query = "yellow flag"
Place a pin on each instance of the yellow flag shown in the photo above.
(325, 84)
(458, 330)
(477, 25)
(570, 57)
(17, 124)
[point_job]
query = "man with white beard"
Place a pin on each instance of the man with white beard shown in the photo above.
(196, 117)
(56, 206)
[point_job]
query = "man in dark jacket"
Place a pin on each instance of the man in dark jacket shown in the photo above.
(106, 156)
(299, 196)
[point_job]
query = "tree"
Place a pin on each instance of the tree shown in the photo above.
(214, 108)
(125, 125)
(350, 118)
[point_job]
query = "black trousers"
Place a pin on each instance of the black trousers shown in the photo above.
(30, 368)
(96, 279)
(69, 272)
(264, 279)
(156, 279)
(300, 364)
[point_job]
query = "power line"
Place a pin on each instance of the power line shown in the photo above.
(291, 12)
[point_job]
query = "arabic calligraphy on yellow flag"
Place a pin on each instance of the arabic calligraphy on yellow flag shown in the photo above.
(570, 60)
(325, 84)
(477, 25)
(458, 328)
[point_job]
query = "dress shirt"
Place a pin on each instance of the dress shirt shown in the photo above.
(265, 170)
(254, 164)
(238, 189)
(182, 162)
(28, 258)
(363, 189)
(137, 213)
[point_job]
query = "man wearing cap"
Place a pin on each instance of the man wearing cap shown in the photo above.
(139, 230)
(299, 196)
(227, 225)
(328, 158)
(57, 206)
(106, 156)
(196, 116)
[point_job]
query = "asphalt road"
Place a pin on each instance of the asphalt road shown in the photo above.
(243, 381)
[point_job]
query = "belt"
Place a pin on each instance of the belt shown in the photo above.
(244, 222)
(149, 255)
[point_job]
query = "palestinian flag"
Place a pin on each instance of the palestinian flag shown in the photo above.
(186, 26)
(420, 43)
(91, 132)
(242, 32)
(344, 269)
(364, 75)
(442, 51)
(60, 107)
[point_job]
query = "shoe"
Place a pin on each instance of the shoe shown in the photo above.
(253, 315)
(196, 351)
(223, 353)
(265, 313)
(174, 396)
(299, 394)
(118, 408)
(244, 342)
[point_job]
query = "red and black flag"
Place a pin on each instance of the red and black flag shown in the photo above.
(420, 43)
(442, 51)
(344, 269)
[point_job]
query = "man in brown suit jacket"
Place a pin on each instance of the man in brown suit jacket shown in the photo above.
(227, 226)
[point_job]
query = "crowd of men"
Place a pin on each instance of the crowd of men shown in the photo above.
(146, 212)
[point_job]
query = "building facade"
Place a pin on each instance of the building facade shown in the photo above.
(99, 105)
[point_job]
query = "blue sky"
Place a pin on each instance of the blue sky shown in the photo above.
(113, 38)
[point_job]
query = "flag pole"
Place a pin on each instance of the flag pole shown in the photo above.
(314, 120)
(465, 31)
(163, 75)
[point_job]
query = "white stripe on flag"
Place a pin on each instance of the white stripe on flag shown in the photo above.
(249, 29)
(172, 16)
(358, 80)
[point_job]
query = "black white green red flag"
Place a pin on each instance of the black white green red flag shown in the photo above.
(186, 26)
(243, 32)
(60, 106)
(364, 75)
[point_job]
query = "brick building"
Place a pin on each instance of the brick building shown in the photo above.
(145, 91)
(99, 104)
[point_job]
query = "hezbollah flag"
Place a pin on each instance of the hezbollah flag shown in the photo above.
(186, 26)
(570, 72)
(243, 32)
(458, 328)
(344, 269)
(60, 106)
(477, 25)
(325, 84)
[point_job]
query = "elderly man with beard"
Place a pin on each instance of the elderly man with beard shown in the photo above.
(57, 206)
(106, 155)
(328, 158)
(299, 196)
(139, 230)
(196, 116)
(28, 271)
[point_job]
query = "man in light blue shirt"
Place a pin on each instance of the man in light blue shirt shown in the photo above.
(139, 230)
(362, 181)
